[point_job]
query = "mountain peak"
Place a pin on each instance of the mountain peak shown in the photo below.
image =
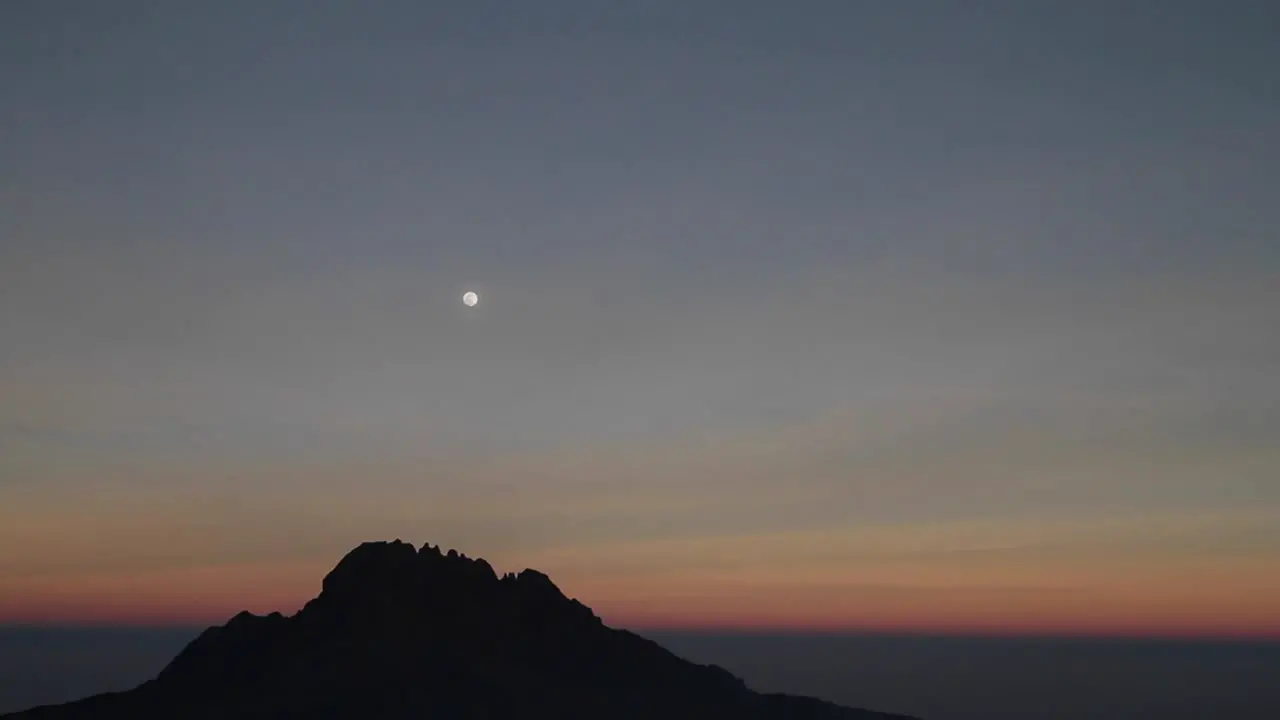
(398, 632)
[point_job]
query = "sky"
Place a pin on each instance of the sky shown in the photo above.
(828, 314)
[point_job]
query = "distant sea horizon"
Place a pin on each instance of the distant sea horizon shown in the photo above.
(1268, 636)
(935, 676)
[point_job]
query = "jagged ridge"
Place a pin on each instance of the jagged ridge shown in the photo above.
(398, 632)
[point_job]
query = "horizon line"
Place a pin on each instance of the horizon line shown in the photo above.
(710, 629)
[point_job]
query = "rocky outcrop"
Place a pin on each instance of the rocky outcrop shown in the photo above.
(398, 632)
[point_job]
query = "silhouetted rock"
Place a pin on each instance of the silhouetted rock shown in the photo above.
(404, 633)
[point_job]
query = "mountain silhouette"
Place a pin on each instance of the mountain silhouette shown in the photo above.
(398, 632)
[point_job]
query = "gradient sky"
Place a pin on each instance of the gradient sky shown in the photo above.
(931, 315)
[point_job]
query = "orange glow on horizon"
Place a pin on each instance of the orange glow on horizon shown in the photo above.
(70, 616)
(1026, 579)
(1080, 628)
(91, 610)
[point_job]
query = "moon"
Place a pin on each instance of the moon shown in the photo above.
(470, 298)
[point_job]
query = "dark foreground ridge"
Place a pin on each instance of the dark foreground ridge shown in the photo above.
(402, 633)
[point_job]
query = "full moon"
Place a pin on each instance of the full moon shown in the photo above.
(470, 299)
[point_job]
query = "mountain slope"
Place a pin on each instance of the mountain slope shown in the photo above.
(402, 633)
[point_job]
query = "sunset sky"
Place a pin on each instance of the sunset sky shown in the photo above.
(828, 314)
